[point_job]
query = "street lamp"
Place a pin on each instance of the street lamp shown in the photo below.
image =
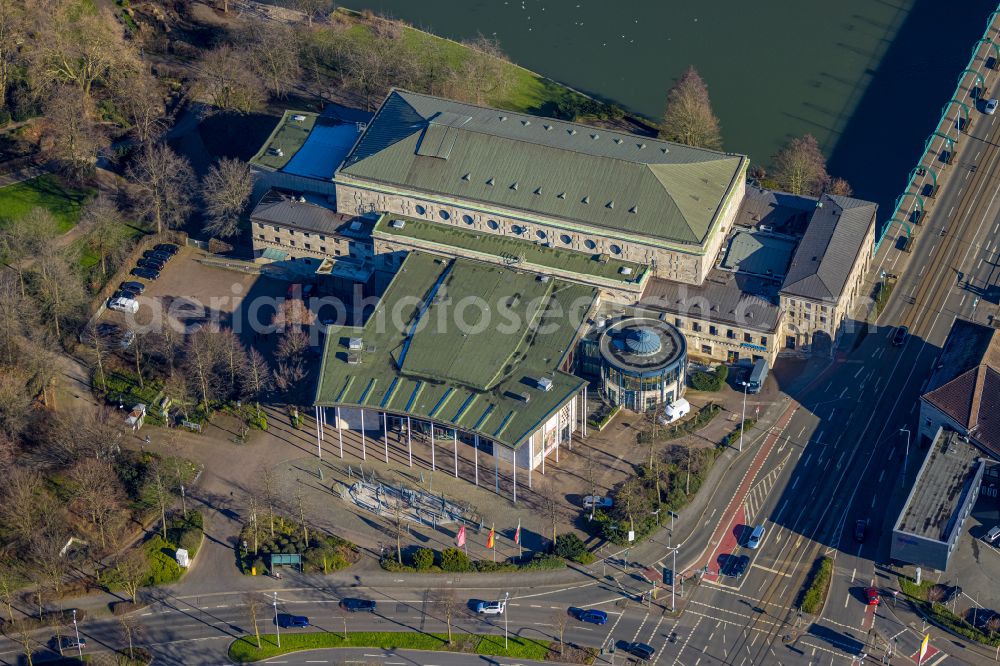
(906, 456)
(76, 628)
(506, 596)
(743, 421)
(277, 627)
(673, 579)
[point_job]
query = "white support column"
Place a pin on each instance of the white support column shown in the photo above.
(340, 433)
(409, 442)
(455, 440)
(531, 457)
(385, 435)
(319, 434)
(583, 412)
(475, 456)
(514, 465)
(496, 470)
(558, 435)
(364, 455)
(543, 451)
(433, 463)
(322, 423)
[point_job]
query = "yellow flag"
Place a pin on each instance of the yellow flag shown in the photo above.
(923, 650)
(491, 539)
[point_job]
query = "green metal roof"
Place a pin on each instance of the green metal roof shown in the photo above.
(287, 136)
(511, 249)
(591, 176)
(416, 359)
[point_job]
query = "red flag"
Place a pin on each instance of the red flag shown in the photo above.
(460, 538)
(517, 533)
(491, 539)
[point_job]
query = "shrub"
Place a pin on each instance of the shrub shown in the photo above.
(569, 546)
(423, 559)
(586, 557)
(815, 593)
(259, 565)
(163, 568)
(453, 559)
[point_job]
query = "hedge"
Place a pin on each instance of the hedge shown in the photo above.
(814, 594)
(710, 381)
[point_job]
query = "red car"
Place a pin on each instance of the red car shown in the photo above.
(871, 593)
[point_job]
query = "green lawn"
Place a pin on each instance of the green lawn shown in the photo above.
(245, 650)
(65, 203)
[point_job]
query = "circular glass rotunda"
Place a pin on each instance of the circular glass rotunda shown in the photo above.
(642, 363)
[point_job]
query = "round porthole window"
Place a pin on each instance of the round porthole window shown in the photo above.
(566, 239)
(615, 249)
(445, 215)
(589, 244)
(517, 229)
(468, 219)
(493, 224)
(420, 209)
(541, 234)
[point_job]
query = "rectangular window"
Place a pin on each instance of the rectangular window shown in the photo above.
(308, 246)
(322, 237)
(260, 225)
(337, 252)
(763, 340)
(731, 334)
(696, 327)
(823, 308)
(809, 306)
(292, 243)
(260, 236)
(806, 315)
(712, 330)
(706, 349)
(822, 319)
(277, 240)
(678, 323)
(277, 228)
(322, 248)
(291, 232)
(747, 337)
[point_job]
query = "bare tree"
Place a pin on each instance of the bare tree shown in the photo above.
(486, 72)
(840, 187)
(799, 166)
(9, 583)
(993, 625)
(234, 361)
(15, 401)
(372, 65)
(548, 504)
(269, 494)
(97, 495)
(227, 187)
(230, 82)
(128, 573)
(300, 511)
(935, 593)
(689, 118)
(559, 621)
(12, 31)
(254, 608)
(313, 9)
(202, 354)
(273, 50)
(140, 97)
(129, 625)
(105, 228)
(342, 613)
(22, 634)
(157, 491)
(162, 183)
(60, 289)
(444, 603)
(292, 345)
(256, 376)
(293, 312)
(72, 137)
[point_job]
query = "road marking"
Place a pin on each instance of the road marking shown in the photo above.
(796, 482)
(881, 474)
(770, 570)
(874, 497)
(853, 574)
(848, 596)
(806, 461)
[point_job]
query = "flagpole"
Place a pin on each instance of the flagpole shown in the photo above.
(493, 534)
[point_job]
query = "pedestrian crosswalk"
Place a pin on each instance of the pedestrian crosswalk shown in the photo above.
(758, 492)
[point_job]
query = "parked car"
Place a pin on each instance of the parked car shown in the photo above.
(133, 286)
(860, 528)
(355, 605)
(641, 650)
(145, 273)
(146, 262)
(899, 336)
(491, 607)
(285, 620)
(991, 107)
(122, 304)
(592, 616)
(158, 256)
(871, 594)
(123, 293)
(110, 334)
(598, 501)
(992, 535)
(73, 644)
(166, 248)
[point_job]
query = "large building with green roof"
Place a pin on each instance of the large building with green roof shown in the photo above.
(478, 350)
(548, 182)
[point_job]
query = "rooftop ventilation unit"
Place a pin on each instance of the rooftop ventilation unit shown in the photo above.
(544, 383)
(543, 278)
(356, 226)
(298, 117)
(353, 359)
(397, 224)
(625, 270)
(354, 343)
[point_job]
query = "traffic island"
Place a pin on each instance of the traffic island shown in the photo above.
(245, 650)
(814, 594)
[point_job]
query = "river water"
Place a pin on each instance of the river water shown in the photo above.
(868, 78)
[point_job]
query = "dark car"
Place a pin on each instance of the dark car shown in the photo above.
(145, 273)
(592, 616)
(736, 566)
(110, 334)
(133, 286)
(123, 293)
(641, 650)
(285, 620)
(860, 528)
(155, 264)
(899, 337)
(357, 605)
(157, 256)
(166, 248)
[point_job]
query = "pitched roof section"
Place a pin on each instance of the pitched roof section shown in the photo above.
(968, 345)
(829, 248)
(600, 178)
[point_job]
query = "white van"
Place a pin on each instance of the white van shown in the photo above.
(124, 304)
(675, 411)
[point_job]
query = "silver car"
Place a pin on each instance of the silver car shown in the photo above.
(991, 107)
